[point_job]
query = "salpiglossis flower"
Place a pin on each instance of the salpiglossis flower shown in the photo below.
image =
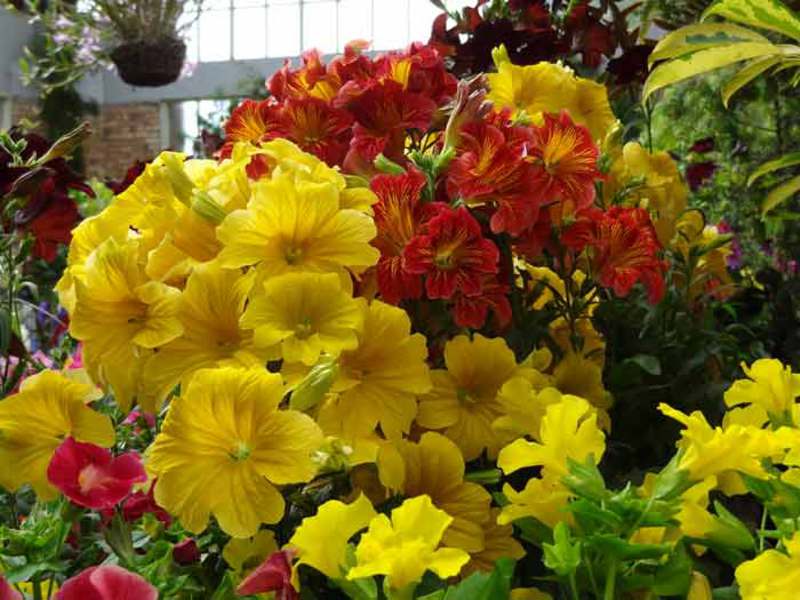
(306, 314)
(209, 309)
(773, 574)
(379, 381)
(464, 400)
(48, 408)
(90, 476)
(119, 313)
(406, 546)
(297, 225)
(451, 253)
(434, 467)
(320, 541)
(225, 445)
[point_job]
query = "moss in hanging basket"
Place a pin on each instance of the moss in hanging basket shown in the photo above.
(150, 63)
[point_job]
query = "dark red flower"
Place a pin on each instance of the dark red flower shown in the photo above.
(398, 214)
(107, 582)
(472, 311)
(89, 476)
(491, 167)
(7, 592)
(623, 249)
(186, 552)
(141, 503)
(452, 254)
(699, 173)
(273, 575)
(133, 172)
(53, 226)
(702, 146)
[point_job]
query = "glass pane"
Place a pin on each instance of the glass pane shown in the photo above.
(423, 12)
(215, 35)
(283, 30)
(355, 21)
(249, 33)
(319, 26)
(190, 36)
(391, 25)
(189, 129)
(245, 3)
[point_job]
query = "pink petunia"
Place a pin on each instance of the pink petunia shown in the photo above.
(107, 582)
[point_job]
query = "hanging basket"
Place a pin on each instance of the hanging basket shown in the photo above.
(151, 63)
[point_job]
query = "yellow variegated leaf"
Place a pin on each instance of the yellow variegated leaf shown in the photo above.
(704, 61)
(745, 75)
(702, 35)
(764, 14)
(780, 193)
(787, 160)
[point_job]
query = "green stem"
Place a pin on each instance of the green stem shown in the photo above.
(573, 587)
(611, 581)
(761, 532)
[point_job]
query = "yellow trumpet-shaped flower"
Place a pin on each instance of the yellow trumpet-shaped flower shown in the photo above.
(406, 546)
(245, 554)
(307, 314)
(569, 430)
(464, 401)
(498, 542)
(292, 225)
(379, 381)
(434, 467)
(321, 540)
(770, 385)
(209, 309)
(772, 575)
(224, 447)
(118, 312)
(542, 499)
(48, 408)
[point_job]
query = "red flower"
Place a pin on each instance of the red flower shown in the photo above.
(313, 79)
(315, 126)
(452, 254)
(89, 476)
(398, 214)
(623, 248)
(140, 503)
(7, 592)
(186, 552)
(490, 168)
(566, 165)
(273, 575)
(107, 582)
(53, 226)
(472, 311)
(251, 121)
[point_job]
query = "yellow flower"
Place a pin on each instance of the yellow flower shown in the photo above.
(245, 554)
(464, 400)
(379, 381)
(321, 540)
(548, 87)
(307, 314)
(772, 575)
(225, 445)
(406, 546)
(770, 385)
(542, 499)
(569, 430)
(578, 375)
(118, 312)
(209, 309)
(434, 467)
(34, 422)
(294, 225)
(529, 594)
(498, 543)
(525, 406)
(652, 181)
(710, 274)
(700, 588)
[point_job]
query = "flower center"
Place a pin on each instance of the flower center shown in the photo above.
(466, 397)
(303, 329)
(90, 478)
(293, 255)
(241, 452)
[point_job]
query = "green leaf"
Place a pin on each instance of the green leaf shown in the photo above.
(5, 330)
(648, 363)
(674, 577)
(585, 480)
(704, 61)
(312, 389)
(612, 545)
(699, 36)
(746, 74)
(772, 15)
(783, 192)
(787, 160)
(483, 586)
(562, 556)
(732, 532)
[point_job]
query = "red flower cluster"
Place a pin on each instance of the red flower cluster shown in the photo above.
(623, 248)
(351, 110)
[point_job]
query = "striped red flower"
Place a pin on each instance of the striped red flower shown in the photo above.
(452, 254)
(472, 311)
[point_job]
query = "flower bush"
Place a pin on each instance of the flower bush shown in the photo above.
(359, 355)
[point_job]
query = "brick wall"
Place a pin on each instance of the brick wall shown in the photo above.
(123, 134)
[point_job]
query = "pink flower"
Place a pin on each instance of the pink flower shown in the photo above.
(7, 592)
(134, 416)
(273, 575)
(186, 552)
(107, 582)
(89, 476)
